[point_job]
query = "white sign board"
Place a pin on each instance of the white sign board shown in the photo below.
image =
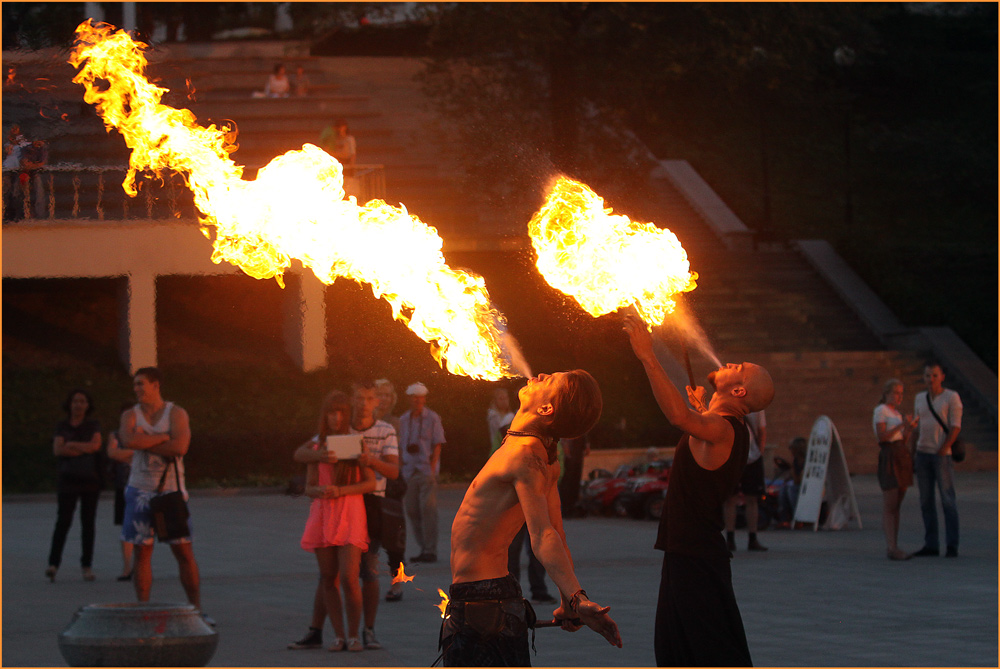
(346, 446)
(826, 476)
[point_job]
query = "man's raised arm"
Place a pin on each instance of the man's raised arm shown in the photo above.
(707, 427)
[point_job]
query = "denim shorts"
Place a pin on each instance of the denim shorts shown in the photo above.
(137, 525)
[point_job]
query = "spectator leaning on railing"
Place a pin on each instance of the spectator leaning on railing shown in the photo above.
(34, 157)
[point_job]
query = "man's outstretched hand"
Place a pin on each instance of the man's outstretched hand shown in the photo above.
(593, 616)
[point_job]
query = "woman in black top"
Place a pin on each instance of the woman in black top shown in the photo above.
(77, 446)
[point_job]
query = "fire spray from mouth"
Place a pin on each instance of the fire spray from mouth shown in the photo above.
(513, 351)
(693, 333)
(295, 209)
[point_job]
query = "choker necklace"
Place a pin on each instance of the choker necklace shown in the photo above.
(548, 442)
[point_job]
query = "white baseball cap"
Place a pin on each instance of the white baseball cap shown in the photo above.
(418, 389)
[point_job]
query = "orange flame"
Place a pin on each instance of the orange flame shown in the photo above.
(295, 209)
(443, 605)
(401, 576)
(606, 261)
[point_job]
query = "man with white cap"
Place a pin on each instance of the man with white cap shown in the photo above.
(421, 437)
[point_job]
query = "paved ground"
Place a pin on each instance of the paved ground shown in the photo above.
(815, 599)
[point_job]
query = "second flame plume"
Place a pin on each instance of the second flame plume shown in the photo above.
(606, 261)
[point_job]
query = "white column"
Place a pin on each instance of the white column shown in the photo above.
(93, 10)
(128, 17)
(305, 321)
(283, 22)
(137, 321)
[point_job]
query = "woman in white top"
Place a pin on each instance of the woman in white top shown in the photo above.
(895, 463)
(278, 84)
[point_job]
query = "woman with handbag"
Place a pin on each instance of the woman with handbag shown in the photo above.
(337, 528)
(895, 463)
(77, 447)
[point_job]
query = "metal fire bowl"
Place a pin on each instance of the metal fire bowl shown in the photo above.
(138, 634)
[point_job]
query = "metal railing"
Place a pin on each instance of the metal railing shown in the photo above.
(67, 192)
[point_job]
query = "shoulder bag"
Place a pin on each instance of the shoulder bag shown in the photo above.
(170, 510)
(957, 448)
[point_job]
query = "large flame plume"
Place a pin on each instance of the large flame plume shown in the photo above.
(295, 209)
(606, 261)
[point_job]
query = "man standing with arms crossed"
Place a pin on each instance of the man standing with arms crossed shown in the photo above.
(421, 437)
(932, 461)
(159, 433)
(487, 620)
(698, 622)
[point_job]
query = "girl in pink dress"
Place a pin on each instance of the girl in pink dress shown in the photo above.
(337, 529)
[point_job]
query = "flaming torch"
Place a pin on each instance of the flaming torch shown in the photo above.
(295, 209)
(401, 576)
(443, 604)
(606, 261)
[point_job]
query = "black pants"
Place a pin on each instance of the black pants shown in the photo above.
(569, 487)
(536, 570)
(64, 519)
(393, 533)
(486, 625)
(698, 623)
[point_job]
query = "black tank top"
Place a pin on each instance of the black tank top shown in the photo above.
(692, 520)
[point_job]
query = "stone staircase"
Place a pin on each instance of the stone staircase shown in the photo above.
(383, 106)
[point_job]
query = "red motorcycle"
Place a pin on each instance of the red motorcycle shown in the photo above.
(643, 494)
(600, 493)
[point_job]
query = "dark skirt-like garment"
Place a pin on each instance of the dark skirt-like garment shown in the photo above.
(698, 623)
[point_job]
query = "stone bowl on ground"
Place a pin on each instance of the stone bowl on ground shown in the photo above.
(138, 634)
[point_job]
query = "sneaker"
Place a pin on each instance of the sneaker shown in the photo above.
(756, 546)
(926, 551)
(951, 551)
(88, 574)
(209, 620)
(371, 643)
(354, 645)
(312, 639)
(50, 573)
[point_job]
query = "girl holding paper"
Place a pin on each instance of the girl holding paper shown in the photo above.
(336, 530)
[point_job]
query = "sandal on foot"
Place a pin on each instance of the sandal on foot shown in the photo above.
(88, 574)
(899, 555)
(337, 645)
(354, 645)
